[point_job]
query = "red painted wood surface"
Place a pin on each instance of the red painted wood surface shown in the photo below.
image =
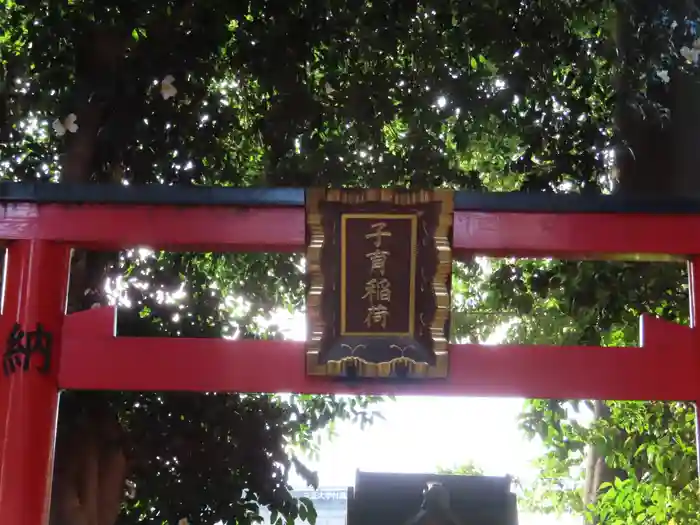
(176, 228)
(574, 235)
(36, 283)
(283, 229)
(664, 368)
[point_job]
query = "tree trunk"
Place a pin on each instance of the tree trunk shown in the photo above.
(90, 466)
(659, 158)
(597, 470)
(644, 153)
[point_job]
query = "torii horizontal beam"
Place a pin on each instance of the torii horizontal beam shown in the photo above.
(274, 221)
(665, 367)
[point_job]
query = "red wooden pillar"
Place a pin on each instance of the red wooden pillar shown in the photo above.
(36, 282)
(694, 288)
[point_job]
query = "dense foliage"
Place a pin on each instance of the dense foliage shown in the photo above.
(640, 456)
(495, 95)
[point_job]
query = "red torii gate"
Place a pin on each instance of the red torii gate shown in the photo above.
(41, 223)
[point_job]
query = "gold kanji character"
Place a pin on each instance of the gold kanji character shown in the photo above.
(377, 314)
(378, 233)
(378, 259)
(378, 290)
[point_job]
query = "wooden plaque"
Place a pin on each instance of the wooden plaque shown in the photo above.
(379, 266)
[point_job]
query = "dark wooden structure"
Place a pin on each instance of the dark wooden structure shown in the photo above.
(394, 499)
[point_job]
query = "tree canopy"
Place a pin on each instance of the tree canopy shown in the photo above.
(617, 462)
(545, 95)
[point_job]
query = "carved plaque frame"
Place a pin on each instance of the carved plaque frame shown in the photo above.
(415, 345)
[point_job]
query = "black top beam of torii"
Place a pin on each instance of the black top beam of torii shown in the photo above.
(157, 194)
